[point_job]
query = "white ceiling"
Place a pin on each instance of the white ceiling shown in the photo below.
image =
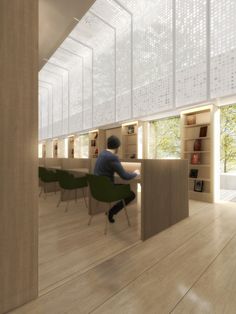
(56, 22)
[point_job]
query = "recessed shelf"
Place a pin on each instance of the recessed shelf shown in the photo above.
(202, 193)
(200, 165)
(196, 125)
(197, 138)
(202, 179)
(196, 151)
(197, 133)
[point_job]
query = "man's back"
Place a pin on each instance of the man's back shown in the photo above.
(108, 163)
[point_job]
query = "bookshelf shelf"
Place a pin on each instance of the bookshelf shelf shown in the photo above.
(197, 147)
(133, 139)
(199, 165)
(203, 179)
(197, 138)
(196, 125)
(97, 142)
(197, 151)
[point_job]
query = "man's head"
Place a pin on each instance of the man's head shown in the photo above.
(113, 143)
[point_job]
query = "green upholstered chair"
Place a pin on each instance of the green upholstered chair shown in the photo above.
(103, 190)
(68, 182)
(46, 176)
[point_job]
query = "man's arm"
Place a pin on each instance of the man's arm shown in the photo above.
(118, 168)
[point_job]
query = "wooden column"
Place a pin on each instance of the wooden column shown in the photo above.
(18, 152)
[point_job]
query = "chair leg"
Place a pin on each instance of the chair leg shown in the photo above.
(84, 199)
(90, 220)
(41, 191)
(45, 190)
(67, 206)
(126, 213)
(59, 202)
(67, 203)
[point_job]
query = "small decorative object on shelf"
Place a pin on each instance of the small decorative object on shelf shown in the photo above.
(191, 119)
(203, 131)
(198, 185)
(132, 156)
(96, 152)
(93, 143)
(130, 129)
(195, 159)
(193, 173)
(197, 145)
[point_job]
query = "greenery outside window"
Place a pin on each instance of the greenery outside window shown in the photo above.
(164, 139)
(228, 138)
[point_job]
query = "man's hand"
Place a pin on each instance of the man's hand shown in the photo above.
(137, 172)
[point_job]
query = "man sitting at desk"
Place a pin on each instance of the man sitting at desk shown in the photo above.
(108, 164)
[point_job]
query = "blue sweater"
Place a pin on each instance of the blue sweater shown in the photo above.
(108, 164)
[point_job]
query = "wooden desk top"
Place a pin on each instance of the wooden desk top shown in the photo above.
(79, 170)
(137, 179)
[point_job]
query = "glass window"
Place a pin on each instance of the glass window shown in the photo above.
(164, 138)
(228, 138)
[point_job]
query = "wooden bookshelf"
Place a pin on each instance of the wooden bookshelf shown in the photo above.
(55, 148)
(71, 146)
(133, 140)
(197, 146)
(97, 142)
(62, 148)
(82, 146)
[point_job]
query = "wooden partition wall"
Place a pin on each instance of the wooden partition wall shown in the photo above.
(18, 158)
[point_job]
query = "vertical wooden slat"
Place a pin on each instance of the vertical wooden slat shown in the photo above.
(18, 152)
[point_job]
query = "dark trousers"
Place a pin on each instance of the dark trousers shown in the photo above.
(118, 206)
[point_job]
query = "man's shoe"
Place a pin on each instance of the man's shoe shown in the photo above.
(110, 218)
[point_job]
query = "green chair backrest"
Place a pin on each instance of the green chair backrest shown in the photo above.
(103, 190)
(67, 181)
(40, 171)
(47, 175)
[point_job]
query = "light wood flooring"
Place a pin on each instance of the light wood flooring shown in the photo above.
(188, 268)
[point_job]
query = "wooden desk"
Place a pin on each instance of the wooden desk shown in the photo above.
(164, 193)
(79, 170)
(53, 167)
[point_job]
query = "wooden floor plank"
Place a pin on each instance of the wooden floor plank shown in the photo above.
(215, 291)
(159, 289)
(90, 290)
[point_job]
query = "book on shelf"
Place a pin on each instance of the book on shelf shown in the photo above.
(193, 173)
(197, 145)
(203, 131)
(198, 185)
(130, 129)
(195, 158)
(191, 119)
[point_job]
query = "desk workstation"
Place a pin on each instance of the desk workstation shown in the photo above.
(164, 189)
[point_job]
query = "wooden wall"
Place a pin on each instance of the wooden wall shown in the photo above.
(18, 152)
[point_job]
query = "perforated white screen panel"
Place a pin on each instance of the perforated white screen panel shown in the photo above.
(223, 48)
(152, 57)
(128, 59)
(191, 52)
